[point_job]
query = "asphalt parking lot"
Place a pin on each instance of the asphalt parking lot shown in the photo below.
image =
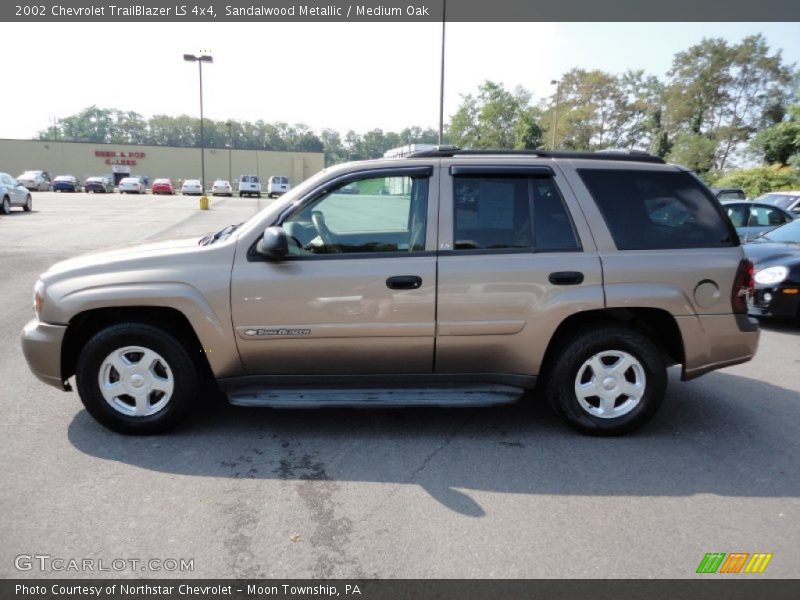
(500, 492)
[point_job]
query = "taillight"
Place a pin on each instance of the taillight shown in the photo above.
(743, 285)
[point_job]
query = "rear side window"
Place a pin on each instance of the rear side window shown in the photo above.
(653, 210)
(506, 213)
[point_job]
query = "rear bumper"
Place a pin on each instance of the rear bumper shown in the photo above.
(713, 342)
(41, 345)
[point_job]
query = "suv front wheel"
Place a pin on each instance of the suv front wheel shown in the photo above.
(607, 381)
(136, 378)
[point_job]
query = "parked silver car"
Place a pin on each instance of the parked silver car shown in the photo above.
(13, 194)
(36, 181)
(788, 200)
(751, 218)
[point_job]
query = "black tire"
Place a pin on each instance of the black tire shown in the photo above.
(28, 204)
(185, 373)
(571, 355)
(5, 206)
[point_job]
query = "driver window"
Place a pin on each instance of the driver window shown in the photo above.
(380, 214)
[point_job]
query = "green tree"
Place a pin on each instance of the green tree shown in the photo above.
(694, 151)
(332, 146)
(725, 92)
(760, 180)
(599, 110)
(492, 119)
(779, 142)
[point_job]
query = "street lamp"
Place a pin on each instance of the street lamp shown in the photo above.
(229, 124)
(555, 116)
(441, 76)
(200, 60)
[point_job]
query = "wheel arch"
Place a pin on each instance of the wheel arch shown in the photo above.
(86, 324)
(658, 325)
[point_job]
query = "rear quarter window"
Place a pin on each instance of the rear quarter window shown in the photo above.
(653, 210)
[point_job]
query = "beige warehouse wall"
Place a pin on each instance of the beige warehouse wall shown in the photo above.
(78, 158)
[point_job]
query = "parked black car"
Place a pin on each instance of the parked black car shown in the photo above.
(776, 259)
(98, 184)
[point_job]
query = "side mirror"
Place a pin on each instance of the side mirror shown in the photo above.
(274, 245)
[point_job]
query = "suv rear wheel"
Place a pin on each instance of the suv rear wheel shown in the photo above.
(607, 381)
(136, 378)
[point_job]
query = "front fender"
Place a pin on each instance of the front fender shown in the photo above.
(211, 324)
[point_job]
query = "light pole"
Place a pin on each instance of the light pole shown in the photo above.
(555, 116)
(200, 60)
(441, 80)
(230, 145)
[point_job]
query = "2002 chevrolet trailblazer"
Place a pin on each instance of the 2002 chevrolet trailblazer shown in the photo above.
(446, 278)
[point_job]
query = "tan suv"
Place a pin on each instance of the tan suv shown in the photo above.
(451, 278)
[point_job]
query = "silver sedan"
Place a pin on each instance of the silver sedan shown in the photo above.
(13, 194)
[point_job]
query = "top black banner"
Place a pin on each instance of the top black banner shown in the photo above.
(408, 10)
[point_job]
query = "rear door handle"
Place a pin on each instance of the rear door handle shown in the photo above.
(566, 278)
(404, 282)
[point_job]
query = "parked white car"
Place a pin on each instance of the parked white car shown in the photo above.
(192, 187)
(222, 187)
(249, 185)
(278, 185)
(35, 180)
(13, 194)
(132, 185)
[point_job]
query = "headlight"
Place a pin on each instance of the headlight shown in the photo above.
(38, 297)
(771, 275)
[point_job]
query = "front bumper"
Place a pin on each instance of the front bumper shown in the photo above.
(775, 301)
(41, 345)
(713, 342)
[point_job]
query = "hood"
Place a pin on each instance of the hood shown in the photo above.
(762, 252)
(124, 257)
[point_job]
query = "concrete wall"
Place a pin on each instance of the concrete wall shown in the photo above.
(79, 159)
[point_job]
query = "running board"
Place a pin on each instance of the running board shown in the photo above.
(375, 397)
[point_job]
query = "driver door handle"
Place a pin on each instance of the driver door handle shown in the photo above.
(404, 282)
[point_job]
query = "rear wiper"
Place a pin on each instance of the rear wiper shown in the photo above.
(224, 232)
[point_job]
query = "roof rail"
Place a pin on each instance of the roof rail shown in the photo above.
(610, 154)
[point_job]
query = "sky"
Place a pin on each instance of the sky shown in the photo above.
(343, 76)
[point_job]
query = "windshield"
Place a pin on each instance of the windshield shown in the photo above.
(789, 233)
(781, 200)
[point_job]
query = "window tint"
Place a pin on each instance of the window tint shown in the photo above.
(648, 210)
(494, 213)
(388, 215)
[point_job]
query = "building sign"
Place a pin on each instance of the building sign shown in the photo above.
(119, 158)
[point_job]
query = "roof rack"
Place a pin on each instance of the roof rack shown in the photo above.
(611, 154)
